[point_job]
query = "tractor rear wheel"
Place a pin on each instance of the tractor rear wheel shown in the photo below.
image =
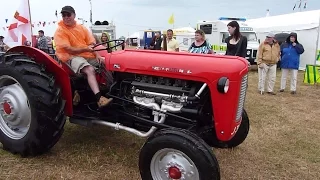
(31, 107)
(177, 154)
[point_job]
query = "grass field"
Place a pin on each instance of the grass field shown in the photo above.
(283, 143)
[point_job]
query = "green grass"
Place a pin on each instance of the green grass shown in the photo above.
(283, 144)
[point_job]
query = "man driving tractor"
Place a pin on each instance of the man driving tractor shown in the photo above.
(74, 46)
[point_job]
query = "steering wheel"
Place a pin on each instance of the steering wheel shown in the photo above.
(116, 44)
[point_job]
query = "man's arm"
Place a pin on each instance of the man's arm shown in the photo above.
(259, 56)
(162, 49)
(73, 50)
(299, 48)
(6, 47)
(177, 46)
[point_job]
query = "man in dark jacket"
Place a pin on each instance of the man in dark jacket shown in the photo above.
(290, 60)
(156, 42)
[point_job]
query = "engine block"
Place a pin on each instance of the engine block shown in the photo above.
(161, 88)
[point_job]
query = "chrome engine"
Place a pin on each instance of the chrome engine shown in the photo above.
(165, 94)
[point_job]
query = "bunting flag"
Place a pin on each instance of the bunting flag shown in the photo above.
(33, 24)
(6, 20)
(20, 30)
(305, 4)
(171, 19)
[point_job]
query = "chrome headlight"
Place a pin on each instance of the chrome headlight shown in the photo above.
(248, 53)
(223, 85)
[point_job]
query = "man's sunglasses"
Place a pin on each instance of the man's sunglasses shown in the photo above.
(66, 14)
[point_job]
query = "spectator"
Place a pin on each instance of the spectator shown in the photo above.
(268, 57)
(105, 37)
(200, 45)
(156, 42)
(53, 45)
(169, 43)
(42, 42)
(236, 43)
(3, 46)
(290, 60)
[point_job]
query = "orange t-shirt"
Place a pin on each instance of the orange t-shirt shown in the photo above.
(77, 36)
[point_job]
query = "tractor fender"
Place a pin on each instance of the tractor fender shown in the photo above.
(53, 67)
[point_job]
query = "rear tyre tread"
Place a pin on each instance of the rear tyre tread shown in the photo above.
(47, 106)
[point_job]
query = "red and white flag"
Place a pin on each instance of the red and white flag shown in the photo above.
(20, 29)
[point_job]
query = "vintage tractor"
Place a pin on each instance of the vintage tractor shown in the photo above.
(183, 103)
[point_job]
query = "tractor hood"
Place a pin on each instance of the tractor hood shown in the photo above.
(201, 67)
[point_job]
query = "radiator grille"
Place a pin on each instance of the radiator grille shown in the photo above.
(242, 97)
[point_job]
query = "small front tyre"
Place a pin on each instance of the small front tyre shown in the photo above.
(177, 154)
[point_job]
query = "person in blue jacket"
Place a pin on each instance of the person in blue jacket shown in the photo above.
(291, 50)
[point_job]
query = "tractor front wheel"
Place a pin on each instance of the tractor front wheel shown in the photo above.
(177, 154)
(31, 107)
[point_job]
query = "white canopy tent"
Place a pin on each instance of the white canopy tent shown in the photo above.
(305, 24)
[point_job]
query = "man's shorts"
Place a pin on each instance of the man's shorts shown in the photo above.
(77, 63)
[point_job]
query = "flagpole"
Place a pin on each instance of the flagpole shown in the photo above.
(30, 22)
(317, 45)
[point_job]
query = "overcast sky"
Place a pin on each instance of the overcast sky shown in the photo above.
(134, 15)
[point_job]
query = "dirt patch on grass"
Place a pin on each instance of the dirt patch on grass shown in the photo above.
(283, 144)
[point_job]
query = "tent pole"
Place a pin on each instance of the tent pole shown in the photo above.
(317, 47)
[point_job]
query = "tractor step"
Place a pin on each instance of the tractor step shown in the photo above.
(82, 122)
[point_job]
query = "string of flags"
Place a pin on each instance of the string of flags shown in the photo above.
(300, 3)
(38, 24)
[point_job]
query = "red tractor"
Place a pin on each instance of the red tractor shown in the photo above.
(183, 103)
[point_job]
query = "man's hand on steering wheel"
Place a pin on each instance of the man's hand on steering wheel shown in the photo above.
(91, 48)
(99, 58)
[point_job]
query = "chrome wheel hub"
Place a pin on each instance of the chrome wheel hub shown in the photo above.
(173, 164)
(15, 112)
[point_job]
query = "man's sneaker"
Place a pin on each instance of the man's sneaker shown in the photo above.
(272, 93)
(281, 90)
(104, 101)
